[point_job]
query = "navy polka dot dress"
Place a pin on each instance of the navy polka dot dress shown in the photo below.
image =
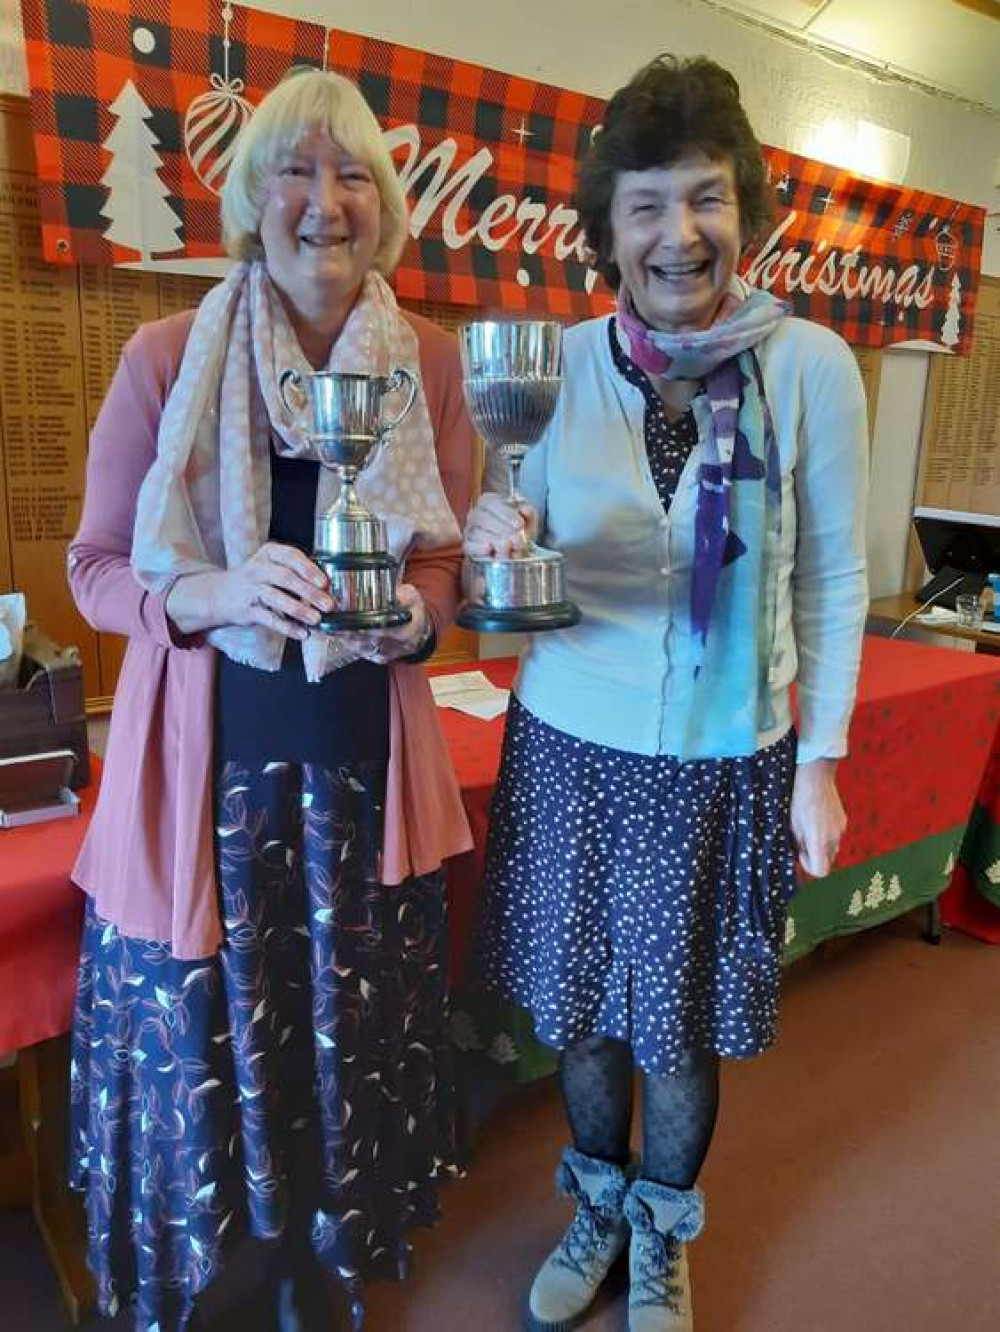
(635, 896)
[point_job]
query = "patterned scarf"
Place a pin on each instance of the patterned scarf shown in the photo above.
(738, 511)
(206, 502)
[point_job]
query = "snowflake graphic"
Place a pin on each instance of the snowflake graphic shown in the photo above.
(789, 930)
(857, 903)
(903, 224)
(895, 890)
(993, 872)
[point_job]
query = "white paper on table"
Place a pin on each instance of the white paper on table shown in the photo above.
(937, 615)
(470, 692)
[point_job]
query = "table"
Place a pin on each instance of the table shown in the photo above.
(896, 609)
(920, 738)
(40, 918)
(972, 901)
(923, 729)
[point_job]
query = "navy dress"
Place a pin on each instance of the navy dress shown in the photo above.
(297, 1086)
(635, 896)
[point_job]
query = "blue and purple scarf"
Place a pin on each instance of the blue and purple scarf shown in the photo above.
(738, 512)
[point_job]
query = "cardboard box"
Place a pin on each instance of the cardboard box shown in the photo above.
(46, 711)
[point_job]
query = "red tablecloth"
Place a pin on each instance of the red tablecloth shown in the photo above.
(972, 901)
(40, 917)
(919, 740)
(474, 746)
(924, 724)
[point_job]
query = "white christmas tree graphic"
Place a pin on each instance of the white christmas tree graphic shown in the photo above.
(137, 210)
(875, 895)
(952, 319)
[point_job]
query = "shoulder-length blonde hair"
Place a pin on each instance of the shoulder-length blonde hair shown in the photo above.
(309, 99)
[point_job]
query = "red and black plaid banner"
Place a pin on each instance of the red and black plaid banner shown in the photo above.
(136, 105)
(879, 263)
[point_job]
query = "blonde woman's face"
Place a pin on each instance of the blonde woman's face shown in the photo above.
(320, 224)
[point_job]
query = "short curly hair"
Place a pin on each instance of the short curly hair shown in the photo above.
(668, 107)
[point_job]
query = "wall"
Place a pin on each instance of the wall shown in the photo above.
(595, 46)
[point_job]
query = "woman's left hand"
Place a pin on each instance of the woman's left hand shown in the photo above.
(385, 645)
(817, 816)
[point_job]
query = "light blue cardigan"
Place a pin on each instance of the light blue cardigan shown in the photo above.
(623, 676)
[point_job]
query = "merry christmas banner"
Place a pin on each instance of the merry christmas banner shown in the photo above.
(137, 105)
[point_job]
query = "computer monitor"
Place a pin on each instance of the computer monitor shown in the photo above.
(961, 550)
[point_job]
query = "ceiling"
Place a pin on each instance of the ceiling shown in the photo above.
(951, 45)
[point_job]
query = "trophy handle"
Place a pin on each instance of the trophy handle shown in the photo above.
(396, 380)
(295, 379)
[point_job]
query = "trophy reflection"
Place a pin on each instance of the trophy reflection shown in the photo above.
(342, 415)
(511, 375)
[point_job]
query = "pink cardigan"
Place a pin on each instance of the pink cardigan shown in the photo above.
(148, 858)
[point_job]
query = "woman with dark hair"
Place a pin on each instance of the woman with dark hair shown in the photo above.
(704, 476)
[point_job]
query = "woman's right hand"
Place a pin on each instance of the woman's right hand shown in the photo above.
(495, 527)
(278, 587)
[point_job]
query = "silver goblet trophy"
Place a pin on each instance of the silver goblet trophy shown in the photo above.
(511, 375)
(343, 418)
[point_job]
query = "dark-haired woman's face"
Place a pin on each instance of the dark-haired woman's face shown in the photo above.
(676, 239)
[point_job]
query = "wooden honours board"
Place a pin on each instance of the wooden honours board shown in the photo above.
(61, 333)
(960, 442)
(869, 361)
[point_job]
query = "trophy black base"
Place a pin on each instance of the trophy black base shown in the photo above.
(518, 619)
(339, 622)
(365, 576)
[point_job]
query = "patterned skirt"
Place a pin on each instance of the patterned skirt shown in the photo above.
(300, 1078)
(638, 897)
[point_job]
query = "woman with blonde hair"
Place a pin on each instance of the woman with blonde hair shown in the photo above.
(260, 1042)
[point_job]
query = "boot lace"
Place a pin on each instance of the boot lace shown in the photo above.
(590, 1232)
(655, 1283)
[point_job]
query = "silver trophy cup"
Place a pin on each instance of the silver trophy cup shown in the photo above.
(511, 374)
(343, 416)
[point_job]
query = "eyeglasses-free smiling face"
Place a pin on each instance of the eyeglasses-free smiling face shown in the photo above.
(320, 225)
(676, 239)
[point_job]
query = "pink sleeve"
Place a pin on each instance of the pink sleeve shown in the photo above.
(122, 449)
(436, 573)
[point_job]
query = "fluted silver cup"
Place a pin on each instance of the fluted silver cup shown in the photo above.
(344, 416)
(511, 377)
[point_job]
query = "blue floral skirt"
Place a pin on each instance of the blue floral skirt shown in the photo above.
(301, 1077)
(638, 897)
